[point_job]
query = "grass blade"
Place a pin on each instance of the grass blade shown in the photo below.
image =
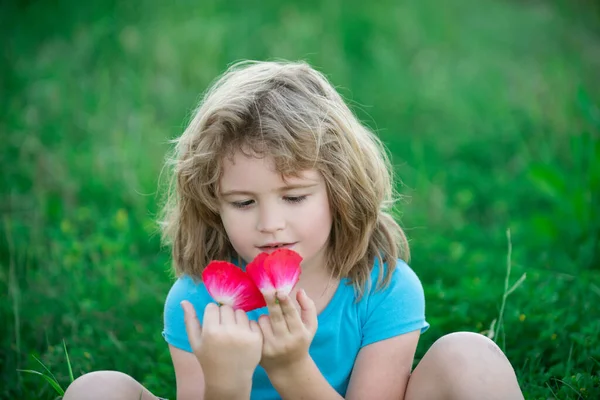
(506, 280)
(516, 285)
(68, 361)
(44, 366)
(48, 379)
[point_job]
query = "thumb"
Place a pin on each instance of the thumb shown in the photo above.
(192, 324)
(308, 310)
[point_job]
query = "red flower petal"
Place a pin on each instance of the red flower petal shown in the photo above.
(284, 267)
(276, 272)
(228, 284)
(261, 277)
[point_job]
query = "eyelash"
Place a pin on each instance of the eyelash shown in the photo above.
(290, 199)
(295, 199)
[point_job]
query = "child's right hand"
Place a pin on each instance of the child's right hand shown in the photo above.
(228, 345)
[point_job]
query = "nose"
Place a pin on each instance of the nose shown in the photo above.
(271, 218)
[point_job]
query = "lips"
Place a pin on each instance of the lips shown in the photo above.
(274, 246)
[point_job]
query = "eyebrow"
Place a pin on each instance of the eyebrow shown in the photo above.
(279, 189)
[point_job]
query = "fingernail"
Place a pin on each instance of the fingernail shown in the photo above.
(281, 296)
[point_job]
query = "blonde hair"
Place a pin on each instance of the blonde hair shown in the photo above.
(288, 111)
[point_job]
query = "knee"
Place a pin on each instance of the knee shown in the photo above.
(99, 385)
(465, 341)
(461, 351)
(464, 365)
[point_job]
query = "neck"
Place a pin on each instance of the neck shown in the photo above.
(317, 282)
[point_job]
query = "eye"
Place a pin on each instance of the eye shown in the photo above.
(294, 199)
(242, 204)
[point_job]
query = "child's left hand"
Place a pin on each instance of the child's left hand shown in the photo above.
(287, 334)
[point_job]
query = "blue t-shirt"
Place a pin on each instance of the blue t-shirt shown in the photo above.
(345, 326)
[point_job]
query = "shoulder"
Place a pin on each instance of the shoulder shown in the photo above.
(393, 309)
(185, 288)
(190, 289)
(403, 279)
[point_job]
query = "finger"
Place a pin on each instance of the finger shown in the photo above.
(264, 325)
(241, 318)
(211, 315)
(254, 327)
(308, 311)
(278, 324)
(192, 325)
(290, 314)
(227, 315)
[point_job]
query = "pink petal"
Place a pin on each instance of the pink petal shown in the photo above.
(258, 274)
(275, 272)
(283, 266)
(228, 284)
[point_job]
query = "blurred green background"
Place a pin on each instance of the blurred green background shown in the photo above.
(490, 109)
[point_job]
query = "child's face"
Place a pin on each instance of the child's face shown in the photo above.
(261, 211)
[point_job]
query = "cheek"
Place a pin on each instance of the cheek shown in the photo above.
(325, 223)
(236, 225)
(224, 218)
(228, 221)
(318, 218)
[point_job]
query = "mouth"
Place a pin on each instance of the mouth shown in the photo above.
(270, 247)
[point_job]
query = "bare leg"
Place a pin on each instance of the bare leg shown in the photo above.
(464, 366)
(107, 385)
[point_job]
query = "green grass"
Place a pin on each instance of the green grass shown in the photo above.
(491, 110)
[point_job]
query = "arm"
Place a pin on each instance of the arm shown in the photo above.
(188, 374)
(382, 369)
(207, 359)
(191, 384)
(303, 381)
(227, 345)
(381, 372)
(394, 318)
(287, 335)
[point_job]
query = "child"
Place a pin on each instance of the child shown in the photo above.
(273, 158)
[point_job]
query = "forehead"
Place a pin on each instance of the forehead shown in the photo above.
(248, 172)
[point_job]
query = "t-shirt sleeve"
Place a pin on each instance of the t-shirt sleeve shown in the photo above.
(397, 309)
(174, 326)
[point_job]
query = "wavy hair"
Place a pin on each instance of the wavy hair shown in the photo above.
(290, 112)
